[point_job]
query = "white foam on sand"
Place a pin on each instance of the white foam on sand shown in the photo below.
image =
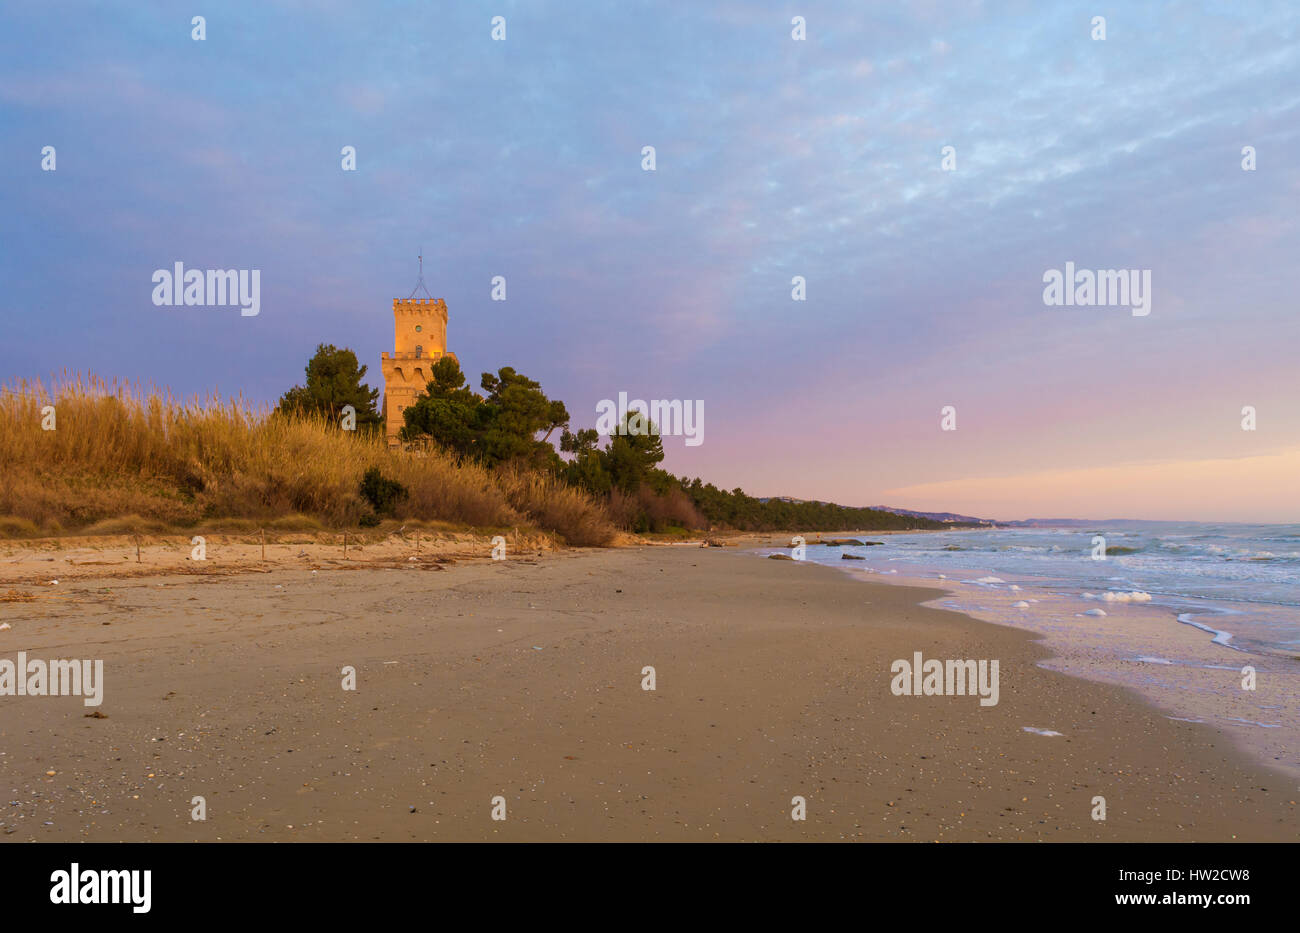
(1251, 722)
(1220, 637)
(1136, 596)
(1039, 731)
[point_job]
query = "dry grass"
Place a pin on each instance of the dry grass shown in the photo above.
(648, 511)
(569, 512)
(125, 460)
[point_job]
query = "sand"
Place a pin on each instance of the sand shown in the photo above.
(1138, 645)
(522, 679)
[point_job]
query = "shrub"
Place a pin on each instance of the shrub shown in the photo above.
(383, 494)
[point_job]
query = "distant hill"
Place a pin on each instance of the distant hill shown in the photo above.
(951, 518)
(954, 518)
(943, 518)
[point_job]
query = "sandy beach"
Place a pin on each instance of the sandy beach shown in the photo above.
(522, 679)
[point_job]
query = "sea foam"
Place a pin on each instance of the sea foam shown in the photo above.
(1136, 596)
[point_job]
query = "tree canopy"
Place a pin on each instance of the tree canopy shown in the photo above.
(502, 426)
(333, 381)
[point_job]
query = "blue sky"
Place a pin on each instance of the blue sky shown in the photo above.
(775, 158)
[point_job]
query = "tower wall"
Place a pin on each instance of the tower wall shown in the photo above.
(429, 316)
(419, 341)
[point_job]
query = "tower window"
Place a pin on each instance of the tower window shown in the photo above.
(419, 350)
(418, 328)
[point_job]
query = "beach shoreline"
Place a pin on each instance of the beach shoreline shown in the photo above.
(523, 680)
(1186, 669)
(39, 562)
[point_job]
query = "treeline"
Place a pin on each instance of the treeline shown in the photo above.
(737, 510)
(511, 424)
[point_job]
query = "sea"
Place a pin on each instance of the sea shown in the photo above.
(1201, 618)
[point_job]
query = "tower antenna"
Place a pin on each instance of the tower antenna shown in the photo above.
(420, 284)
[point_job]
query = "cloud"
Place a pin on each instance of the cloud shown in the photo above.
(776, 158)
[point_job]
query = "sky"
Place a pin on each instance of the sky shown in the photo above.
(775, 157)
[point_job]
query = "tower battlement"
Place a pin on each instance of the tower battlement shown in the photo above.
(419, 305)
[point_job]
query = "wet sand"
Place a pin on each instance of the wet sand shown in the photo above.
(522, 679)
(1137, 645)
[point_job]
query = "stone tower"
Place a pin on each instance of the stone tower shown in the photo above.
(419, 341)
